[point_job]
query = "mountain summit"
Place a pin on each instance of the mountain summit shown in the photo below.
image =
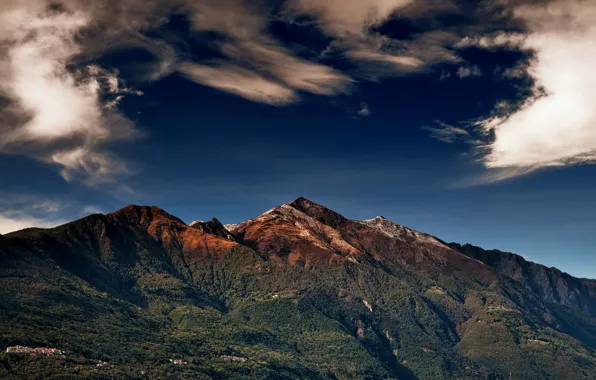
(297, 292)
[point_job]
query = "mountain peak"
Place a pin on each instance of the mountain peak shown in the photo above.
(144, 214)
(214, 227)
(318, 212)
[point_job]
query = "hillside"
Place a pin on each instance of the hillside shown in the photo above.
(297, 292)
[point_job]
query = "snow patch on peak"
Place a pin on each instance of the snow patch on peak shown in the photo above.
(195, 223)
(231, 227)
(398, 231)
(276, 212)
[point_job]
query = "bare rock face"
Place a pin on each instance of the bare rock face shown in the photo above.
(214, 227)
(307, 234)
(286, 234)
(322, 214)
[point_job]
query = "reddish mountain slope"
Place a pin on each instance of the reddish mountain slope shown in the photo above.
(307, 234)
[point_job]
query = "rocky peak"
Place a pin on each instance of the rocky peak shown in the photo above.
(318, 212)
(214, 227)
(300, 231)
(143, 215)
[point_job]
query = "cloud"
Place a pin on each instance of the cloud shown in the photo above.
(556, 125)
(296, 73)
(349, 17)
(16, 223)
(444, 75)
(364, 110)
(493, 41)
(446, 133)
(25, 211)
(468, 71)
(351, 24)
(58, 105)
(491, 176)
(254, 64)
(53, 112)
(87, 210)
(267, 73)
(239, 81)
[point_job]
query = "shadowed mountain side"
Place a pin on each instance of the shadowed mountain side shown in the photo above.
(105, 250)
(549, 283)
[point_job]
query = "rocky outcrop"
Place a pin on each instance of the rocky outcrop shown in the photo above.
(214, 227)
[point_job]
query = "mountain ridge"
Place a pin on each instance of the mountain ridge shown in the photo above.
(274, 293)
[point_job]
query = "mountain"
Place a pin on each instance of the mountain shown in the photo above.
(297, 292)
(549, 283)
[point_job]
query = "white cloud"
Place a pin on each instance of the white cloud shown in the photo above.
(557, 125)
(57, 114)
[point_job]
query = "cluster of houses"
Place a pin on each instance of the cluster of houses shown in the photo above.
(103, 365)
(233, 358)
(34, 350)
(178, 361)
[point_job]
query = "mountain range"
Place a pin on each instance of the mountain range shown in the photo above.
(297, 292)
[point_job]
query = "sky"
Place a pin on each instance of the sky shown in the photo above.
(470, 120)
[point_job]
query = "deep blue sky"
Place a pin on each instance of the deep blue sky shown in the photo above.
(204, 153)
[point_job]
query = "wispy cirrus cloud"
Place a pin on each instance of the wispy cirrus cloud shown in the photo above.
(240, 81)
(266, 72)
(350, 23)
(447, 133)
